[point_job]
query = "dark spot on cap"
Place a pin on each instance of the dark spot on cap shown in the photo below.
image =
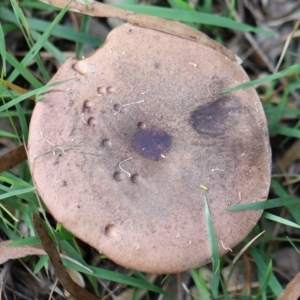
(213, 118)
(152, 143)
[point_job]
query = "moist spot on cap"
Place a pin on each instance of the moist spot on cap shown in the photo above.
(212, 118)
(81, 67)
(152, 143)
(157, 65)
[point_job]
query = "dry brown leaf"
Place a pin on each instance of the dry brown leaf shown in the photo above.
(290, 156)
(75, 290)
(15, 88)
(12, 158)
(292, 290)
(286, 262)
(14, 252)
(97, 9)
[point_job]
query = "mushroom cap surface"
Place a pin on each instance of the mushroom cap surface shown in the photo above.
(124, 153)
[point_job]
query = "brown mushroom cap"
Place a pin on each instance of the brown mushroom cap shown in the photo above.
(124, 152)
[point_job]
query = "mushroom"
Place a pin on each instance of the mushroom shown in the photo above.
(124, 153)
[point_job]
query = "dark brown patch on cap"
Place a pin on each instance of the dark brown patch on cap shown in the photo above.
(212, 118)
(152, 143)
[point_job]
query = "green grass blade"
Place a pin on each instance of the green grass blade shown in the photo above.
(36, 92)
(84, 28)
(214, 251)
(42, 263)
(116, 277)
(263, 269)
(9, 213)
(59, 31)
(264, 279)
(181, 5)
(74, 254)
(225, 293)
(280, 220)
(294, 246)
(22, 122)
(130, 1)
(23, 24)
(13, 125)
(39, 5)
(2, 52)
(20, 66)
(286, 131)
(200, 284)
(294, 86)
(71, 252)
(16, 192)
(39, 44)
(254, 83)
(27, 241)
(8, 134)
(12, 179)
(87, 3)
(191, 16)
(50, 48)
(293, 208)
(277, 113)
(271, 203)
(11, 234)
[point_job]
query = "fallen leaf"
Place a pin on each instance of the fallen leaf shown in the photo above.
(75, 290)
(12, 158)
(97, 9)
(292, 290)
(14, 252)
